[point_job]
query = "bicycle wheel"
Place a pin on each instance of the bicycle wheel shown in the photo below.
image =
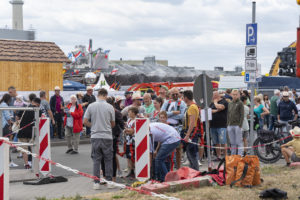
(270, 153)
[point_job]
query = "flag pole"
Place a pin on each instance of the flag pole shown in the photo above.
(91, 54)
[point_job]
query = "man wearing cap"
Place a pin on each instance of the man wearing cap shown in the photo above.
(87, 99)
(163, 91)
(136, 102)
(57, 106)
(152, 93)
(287, 110)
(128, 100)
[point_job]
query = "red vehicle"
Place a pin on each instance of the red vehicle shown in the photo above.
(143, 87)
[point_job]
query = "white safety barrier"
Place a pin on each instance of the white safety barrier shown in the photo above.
(142, 151)
(44, 146)
(4, 170)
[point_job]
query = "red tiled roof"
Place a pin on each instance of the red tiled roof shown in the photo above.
(31, 51)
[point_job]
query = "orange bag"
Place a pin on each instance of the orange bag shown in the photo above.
(246, 171)
(231, 163)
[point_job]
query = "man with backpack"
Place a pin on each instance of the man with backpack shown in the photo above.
(175, 109)
(191, 129)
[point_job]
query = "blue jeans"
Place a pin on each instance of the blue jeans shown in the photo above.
(273, 119)
(191, 153)
(87, 130)
(261, 123)
(51, 130)
(160, 165)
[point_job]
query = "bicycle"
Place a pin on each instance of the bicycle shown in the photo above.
(267, 145)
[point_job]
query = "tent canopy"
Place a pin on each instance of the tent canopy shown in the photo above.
(102, 83)
(73, 86)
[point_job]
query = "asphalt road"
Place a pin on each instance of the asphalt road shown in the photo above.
(76, 184)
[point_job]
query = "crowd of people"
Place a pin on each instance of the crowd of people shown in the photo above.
(175, 126)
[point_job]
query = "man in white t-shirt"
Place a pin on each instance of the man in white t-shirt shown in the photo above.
(169, 139)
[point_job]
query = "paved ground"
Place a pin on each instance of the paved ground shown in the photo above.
(75, 184)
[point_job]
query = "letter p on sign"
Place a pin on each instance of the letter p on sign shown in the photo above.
(251, 34)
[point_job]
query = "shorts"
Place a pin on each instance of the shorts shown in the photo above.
(128, 152)
(294, 158)
(245, 135)
(218, 135)
(24, 140)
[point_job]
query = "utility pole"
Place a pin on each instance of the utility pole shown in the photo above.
(252, 90)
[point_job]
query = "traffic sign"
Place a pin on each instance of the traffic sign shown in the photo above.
(250, 77)
(250, 65)
(250, 52)
(199, 90)
(251, 34)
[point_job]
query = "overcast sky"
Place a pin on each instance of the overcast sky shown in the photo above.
(199, 33)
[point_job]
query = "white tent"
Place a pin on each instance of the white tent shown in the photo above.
(232, 82)
(102, 83)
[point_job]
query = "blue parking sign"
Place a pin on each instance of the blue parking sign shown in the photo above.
(251, 34)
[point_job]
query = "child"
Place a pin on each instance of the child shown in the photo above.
(163, 117)
(245, 125)
(129, 135)
(19, 102)
(291, 150)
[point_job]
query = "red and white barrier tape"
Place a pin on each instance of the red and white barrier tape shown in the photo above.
(75, 171)
(215, 147)
(16, 131)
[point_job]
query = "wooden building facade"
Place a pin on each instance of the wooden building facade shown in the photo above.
(31, 65)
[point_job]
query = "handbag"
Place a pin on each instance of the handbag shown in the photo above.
(16, 125)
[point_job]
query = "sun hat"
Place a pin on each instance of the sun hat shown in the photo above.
(164, 87)
(89, 88)
(119, 98)
(285, 94)
(136, 96)
(295, 132)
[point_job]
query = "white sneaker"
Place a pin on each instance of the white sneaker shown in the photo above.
(12, 164)
(96, 186)
(200, 164)
(125, 170)
(186, 162)
(111, 186)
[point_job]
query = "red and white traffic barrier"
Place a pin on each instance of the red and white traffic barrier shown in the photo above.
(4, 169)
(44, 146)
(142, 151)
(75, 171)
